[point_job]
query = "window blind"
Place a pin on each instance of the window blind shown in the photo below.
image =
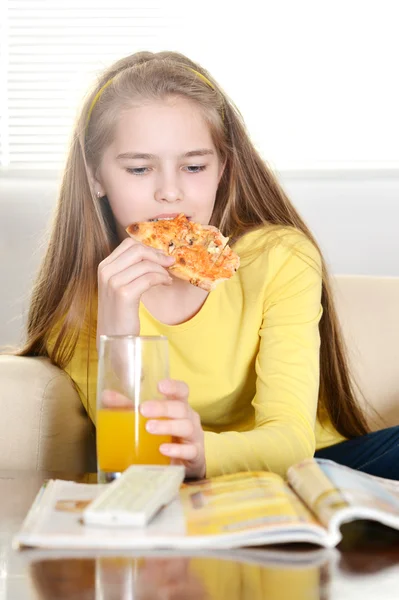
(316, 84)
(50, 52)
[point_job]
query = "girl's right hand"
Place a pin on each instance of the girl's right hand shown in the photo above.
(123, 277)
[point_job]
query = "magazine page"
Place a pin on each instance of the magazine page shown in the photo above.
(348, 494)
(246, 509)
(55, 521)
(316, 489)
(360, 489)
(389, 484)
(242, 502)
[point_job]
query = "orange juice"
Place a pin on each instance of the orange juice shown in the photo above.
(122, 440)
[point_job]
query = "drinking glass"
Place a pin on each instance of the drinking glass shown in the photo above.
(129, 370)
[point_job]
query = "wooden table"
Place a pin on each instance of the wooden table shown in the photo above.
(366, 566)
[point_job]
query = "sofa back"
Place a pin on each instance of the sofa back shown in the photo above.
(368, 309)
(365, 241)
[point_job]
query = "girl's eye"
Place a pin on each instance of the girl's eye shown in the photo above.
(195, 168)
(137, 170)
(144, 170)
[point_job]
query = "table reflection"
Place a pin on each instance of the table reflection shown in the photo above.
(261, 576)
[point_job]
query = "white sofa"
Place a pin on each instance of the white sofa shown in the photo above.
(43, 426)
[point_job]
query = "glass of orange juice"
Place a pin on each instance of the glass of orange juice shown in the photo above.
(129, 370)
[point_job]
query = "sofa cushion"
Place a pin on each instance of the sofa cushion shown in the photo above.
(43, 424)
(368, 309)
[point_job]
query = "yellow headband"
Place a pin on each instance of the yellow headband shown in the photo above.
(95, 99)
(201, 76)
(104, 87)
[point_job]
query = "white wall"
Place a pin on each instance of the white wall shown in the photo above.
(316, 81)
(355, 216)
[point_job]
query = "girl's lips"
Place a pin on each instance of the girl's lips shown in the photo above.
(166, 216)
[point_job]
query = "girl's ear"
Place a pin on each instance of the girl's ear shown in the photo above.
(95, 183)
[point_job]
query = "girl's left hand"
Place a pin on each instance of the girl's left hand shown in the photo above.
(174, 416)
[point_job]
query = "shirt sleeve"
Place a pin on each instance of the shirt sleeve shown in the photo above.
(287, 370)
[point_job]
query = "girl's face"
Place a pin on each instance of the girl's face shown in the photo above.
(162, 162)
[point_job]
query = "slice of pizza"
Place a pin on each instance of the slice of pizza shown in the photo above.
(202, 255)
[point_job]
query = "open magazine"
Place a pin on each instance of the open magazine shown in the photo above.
(231, 511)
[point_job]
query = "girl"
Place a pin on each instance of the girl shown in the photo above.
(262, 355)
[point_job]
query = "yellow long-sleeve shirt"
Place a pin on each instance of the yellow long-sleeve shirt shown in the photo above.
(250, 357)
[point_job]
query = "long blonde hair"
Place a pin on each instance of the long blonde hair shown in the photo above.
(84, 233)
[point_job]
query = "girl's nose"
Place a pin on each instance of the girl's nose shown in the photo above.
(168, 191)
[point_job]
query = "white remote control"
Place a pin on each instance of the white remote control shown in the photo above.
(135, 497)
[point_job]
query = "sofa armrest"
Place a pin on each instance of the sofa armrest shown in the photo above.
(43, 425)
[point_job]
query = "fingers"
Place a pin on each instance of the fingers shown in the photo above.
(181, 428)
(176, 407)
(133, 272)
(174, 389)
(113, 399)
(172, 409)
(128, 263)
(185, 452)
(135, 289)
(130, 252)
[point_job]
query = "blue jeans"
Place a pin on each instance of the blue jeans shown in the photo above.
(376, 453)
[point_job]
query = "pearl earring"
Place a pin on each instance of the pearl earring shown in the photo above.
(98, 195)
